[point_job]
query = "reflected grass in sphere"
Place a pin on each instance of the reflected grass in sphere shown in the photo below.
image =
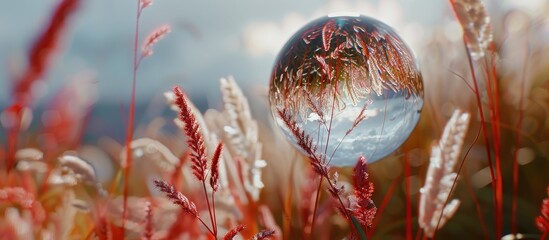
(352, 84)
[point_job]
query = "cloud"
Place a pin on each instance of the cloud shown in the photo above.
(262, 38)
(268, 37)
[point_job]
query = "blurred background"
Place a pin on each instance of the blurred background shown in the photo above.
(209, 40)
(214, 39)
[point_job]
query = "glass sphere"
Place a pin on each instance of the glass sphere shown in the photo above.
(351, 84)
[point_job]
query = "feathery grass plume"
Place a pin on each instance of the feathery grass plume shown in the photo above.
(361, 116)
(239, 131)
(214, 178)
(476, 25)
(317, 160)
(264, 234)
(233, 232)
(441, 176)
(171, 101)
(186, 205)
(238, 112)
(192, 130)
(176, 197)
(148, 232)
(364, 208)
(542, 221)
(242, 131)
(305, 142)
(235, 126)
(153, 38)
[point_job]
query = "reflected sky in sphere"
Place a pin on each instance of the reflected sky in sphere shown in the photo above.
(351, 84)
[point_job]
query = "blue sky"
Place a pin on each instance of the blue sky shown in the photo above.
(239, 38)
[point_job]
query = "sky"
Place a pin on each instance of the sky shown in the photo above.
(210, 39)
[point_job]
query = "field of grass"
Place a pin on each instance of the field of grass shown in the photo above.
(475, 166)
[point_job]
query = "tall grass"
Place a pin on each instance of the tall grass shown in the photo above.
(223, 174)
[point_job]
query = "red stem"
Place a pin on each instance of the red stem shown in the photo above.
(205, 225)
(317, 200)
(384, 203)
(419, 234)
(407, 173)
(129, 136)
(493, 104)
(472, 192)
(212, 219)
(214, 216)
(486, 139)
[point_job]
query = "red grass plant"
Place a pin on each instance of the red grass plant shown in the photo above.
(477, 36)
(192, 131)
(137, 57)
(198, 157)
(319, 166)
(365, 209)
(39, 55)
(542, 221)
(233, 232)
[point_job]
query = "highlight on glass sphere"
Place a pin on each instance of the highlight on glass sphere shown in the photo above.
(351, 84)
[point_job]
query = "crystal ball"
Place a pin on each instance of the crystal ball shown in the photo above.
(351, 84)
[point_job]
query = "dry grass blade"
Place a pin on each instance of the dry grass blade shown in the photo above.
(240, 132)
(233, 232)
(153, 38)
(176, 197)
(195, 138)
(265, 234)
(476, 25)
(440, 176)
(214, 178)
